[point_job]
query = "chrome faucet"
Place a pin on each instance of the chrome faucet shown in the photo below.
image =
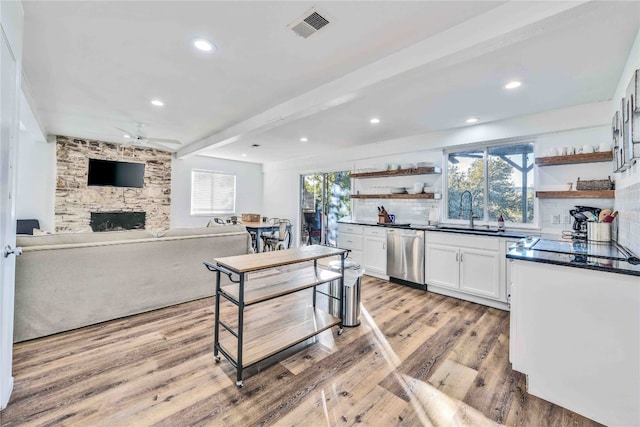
(471, 215)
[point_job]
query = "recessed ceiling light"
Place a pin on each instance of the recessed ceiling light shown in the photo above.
(204, 45)
(303, 139)
(512, 85)
(126, 136)
(244, 154)
(472, 120)
(157, 103)
(374, 121)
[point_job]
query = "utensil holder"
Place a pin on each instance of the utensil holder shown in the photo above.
(599, 231)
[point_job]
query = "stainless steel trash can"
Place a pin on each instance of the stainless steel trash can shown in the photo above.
(352, 287)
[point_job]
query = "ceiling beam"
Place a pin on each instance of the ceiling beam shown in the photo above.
(500, 27)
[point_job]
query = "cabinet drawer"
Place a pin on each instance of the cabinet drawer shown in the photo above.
(375, 231)
(350, 241)
(464, 240)
(350, 228)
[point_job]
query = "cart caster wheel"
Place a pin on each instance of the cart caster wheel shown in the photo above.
(239, 384)
(340, 331)
(216, 358)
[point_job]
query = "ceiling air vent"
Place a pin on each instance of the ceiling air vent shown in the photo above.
(308, 24)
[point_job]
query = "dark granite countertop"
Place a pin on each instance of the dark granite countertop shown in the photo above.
(610, 258)
(480, 231)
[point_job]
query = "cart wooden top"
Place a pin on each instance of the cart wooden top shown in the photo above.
(263, 260)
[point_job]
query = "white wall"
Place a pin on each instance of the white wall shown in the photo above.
(281, 198)
(36, 171)
(248, 188)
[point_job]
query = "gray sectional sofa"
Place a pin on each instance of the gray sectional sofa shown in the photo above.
(66, 281)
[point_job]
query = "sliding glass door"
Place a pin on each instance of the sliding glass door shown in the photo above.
(325, 199)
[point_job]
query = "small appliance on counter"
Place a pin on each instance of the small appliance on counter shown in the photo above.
(592, 223)
(582, 215)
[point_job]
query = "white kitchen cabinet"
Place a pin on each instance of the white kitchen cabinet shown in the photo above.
(368, 245)
(442, 265)
(464, 266)
(375, 251)
(480, 272)
(471, 270)
(351, 236)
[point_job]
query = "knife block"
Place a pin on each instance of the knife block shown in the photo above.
(383, 218)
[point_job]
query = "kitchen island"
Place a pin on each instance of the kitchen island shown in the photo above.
(245, 341)
(575, 326)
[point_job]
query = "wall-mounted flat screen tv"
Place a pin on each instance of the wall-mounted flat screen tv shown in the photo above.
(115, 174)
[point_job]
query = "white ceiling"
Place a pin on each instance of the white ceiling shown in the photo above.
(419, 66)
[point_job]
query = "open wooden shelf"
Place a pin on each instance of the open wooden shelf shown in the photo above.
(583, 194)
(265, 288)
(399, 172)
(267, 337)
(397, 196)
(601, 156)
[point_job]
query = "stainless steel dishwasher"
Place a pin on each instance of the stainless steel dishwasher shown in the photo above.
(405, 256)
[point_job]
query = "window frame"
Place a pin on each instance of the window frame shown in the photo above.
(485, 147)
(213, 211)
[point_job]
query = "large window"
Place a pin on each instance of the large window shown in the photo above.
(212, 193)
(491, 181)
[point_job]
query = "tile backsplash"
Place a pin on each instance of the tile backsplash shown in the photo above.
(411, 211)
(628, 206)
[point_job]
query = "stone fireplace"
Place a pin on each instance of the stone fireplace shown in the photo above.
(113, 221)
(77, 203)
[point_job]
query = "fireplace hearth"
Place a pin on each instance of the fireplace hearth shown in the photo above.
(112, 221)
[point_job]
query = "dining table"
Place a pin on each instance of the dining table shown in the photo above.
(258, 227)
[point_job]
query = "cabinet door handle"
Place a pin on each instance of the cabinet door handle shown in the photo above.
(460, 257)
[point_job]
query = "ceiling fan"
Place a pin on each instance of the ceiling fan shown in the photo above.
(138, 138)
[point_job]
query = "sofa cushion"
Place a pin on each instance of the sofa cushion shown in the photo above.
(180, 232)
(75, 238)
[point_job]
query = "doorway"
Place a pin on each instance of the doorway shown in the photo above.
(325, 198)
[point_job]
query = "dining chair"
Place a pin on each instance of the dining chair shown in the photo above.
(270, 222)
(281, 238)
(234, 220)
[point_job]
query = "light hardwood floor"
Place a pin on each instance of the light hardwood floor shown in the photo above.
(417, 359)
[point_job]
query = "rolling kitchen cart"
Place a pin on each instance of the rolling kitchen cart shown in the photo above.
(256, 341)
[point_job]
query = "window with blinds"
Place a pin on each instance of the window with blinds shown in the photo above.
(212, 193)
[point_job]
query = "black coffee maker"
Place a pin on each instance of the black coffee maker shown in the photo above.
(580, 220)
